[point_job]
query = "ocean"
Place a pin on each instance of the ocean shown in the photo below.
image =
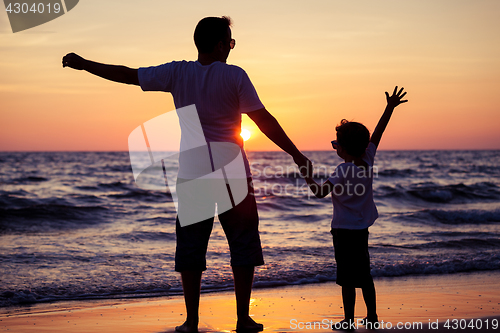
(75, 226)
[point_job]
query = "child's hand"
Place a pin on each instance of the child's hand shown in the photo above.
(395, 99)
(392, 102)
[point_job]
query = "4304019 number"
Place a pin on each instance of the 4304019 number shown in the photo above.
(40, 8)
(456, 324)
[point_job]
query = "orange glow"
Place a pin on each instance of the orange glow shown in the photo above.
(311, 66)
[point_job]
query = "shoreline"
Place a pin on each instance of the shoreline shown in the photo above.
(416, 299)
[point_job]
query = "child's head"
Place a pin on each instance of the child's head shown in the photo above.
(353, 137)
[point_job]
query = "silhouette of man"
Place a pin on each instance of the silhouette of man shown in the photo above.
(221, 93)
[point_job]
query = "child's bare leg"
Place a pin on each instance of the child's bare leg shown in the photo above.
(349, 300)
(370, 298)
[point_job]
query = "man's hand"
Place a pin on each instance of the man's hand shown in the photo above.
(305, 166)
(396, 97)
(74, 61)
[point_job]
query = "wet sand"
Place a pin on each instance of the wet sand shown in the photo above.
(410, 303)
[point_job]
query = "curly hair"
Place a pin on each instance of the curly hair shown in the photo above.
(353, 137)
(210, 31)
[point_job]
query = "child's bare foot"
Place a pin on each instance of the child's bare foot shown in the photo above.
(346, 325)
(187, 328)
(370, 320)
(248, 325)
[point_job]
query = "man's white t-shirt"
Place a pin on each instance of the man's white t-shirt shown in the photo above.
(221, 93)
(352, 195)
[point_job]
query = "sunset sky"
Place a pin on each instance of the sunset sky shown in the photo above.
(312, 63)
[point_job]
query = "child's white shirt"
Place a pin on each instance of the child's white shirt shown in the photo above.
(352, 195)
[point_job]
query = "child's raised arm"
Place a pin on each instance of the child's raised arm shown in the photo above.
(392, 102)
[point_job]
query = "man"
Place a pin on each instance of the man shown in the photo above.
(220, 93)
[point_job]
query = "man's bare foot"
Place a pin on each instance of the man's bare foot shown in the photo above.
(187, 328)
(248, 325)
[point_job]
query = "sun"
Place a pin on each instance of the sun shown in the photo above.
(245, 134)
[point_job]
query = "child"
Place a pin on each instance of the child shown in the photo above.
(354, 209)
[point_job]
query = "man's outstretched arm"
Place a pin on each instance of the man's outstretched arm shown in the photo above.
(114, 73)
(273, 130)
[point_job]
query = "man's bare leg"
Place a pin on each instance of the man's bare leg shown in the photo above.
(243, 280)
(191, 285)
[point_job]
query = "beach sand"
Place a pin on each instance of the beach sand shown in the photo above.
(304, 308)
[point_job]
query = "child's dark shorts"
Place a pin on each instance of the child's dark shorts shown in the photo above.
(241, 226)
(351, 255)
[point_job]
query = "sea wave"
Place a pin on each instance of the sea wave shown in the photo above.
(45, 215)
(28, 180)
(442, 194)
(397, 173)
(457, 192)
(454, 217)
(445, 266)
(459, 244)
(142, 236)
(298, 275)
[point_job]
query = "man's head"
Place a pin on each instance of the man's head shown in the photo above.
(352, 137)
(213, 36)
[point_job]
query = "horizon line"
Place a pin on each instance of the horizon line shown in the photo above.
(247, 151)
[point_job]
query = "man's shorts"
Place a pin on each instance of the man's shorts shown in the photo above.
(241, 226)
(351, 255)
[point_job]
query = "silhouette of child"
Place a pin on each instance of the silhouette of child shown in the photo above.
(354, 209)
